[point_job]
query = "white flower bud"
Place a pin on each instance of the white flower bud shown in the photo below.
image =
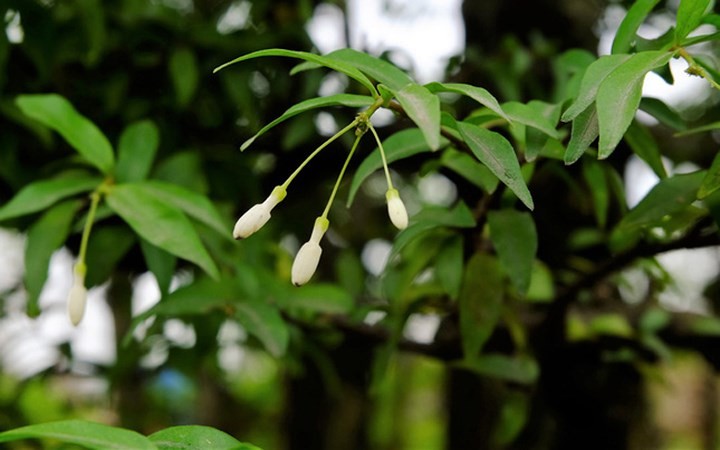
(258, 215)
(77, 298)
(307, 259)
(396, 209)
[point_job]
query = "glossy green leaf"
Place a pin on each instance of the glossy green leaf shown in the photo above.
(191, 203)
(183, 74)
(265, 323)
(317, 297)
(378, 69)
(161, 263)
(108, 244)
(45, 236)
(530, 116)
(670, 196)
(711, 182)
(584, 132)
(449, 266)
(400, 145)
(160, 223)
(329, 62)
(627, 32)
(470, 169)
(518, 369)
(480, 303)
(39, 195)
(136, 151)
(493, 150)
(478, 94)
(619, 96)
(191, 437)
(57, 113)
(349, 100)
(644, 146)
(689, 17)
(423, 108)
(515, 239)
(594, 174)
(86, 434)
(663, 113)
(593, 77)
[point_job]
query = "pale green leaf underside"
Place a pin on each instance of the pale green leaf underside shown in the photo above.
(423, 108)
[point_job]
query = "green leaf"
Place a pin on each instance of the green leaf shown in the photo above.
(136, 151)
(627, 32)
(670, 196)
(334, 63)
(643, 145)
(192, 437)
(593, 77)
(265, 323)
(191, 203)
(400, 145)
(530, 116)
(184, 75)
(480, 303)
(584, 132)
(449, 266)
(317, 297)
(160, 223)
(711, 182)
(378, 69)
(515, 239)
(619, 96)
(469, 168)
(41, 194)
(594, 174)
(349, 100)
(478, 94)
(106, 247)
(663, 113)
(700, 129)
(57, 113)
(493, 150)
(160, 263)
(423, 108)
(45, 236)
(689, 17)
(518, 369)
(87, 434)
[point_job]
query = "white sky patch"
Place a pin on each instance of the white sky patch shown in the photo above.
(327, 28)
(421, 327)
(235, 17)
(375, 255)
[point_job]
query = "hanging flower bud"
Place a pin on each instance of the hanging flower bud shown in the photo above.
(396, 209)
(258, 215)
(77, 298)
(307, 259)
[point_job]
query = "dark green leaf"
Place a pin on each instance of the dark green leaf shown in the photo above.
(619, 97)
(584, 132)
(41, 194)
(700, 129)
(45, 236)
(449, 266)
(423, 108)
(493, 150)
(317, 297)
(57, 113)
(136, 151)
(265, 323)
(194, 437)
(594, 174)
(626, 33)
(711, 182)
(183, 168)
(378, 69)
(87, 434)
(184, 75)
(478, 94)
(519, 369)
(689, 17)
(334, 63)
(515, 239)
(349, 100)
(160, 223)
(93, 24)
(480, 303)
(663, 113)
(160, 263)
(470, 169)
(106, 247)
(643, 145)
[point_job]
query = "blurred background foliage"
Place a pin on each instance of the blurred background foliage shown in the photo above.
(339, 385)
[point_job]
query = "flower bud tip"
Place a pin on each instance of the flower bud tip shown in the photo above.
(396, 209)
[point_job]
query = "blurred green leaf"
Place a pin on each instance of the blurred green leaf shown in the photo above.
(493, 150)
(584, 132)
(627, 31)
(265, 323)
(136, 151)
(106, 247)
(515, 239)
(514, 414)
(478, 94)
(594, 174)
(689, 17)
(39, 195)
(184, 75)
(711, 182)
(57, 113)
(449, 266)
(663, 113)
(423, 108)
(470, 169)
(160, 263)
(187, 437)
(93, 21)
(86, 434)
(644, 146)
(317, 297)
(542, 285)
(160, 223)
(378, 69)
(593, 77)
(520, 369)
(480, 303)
(184, 168)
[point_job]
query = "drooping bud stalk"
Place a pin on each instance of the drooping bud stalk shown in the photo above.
(258, 215)
(396, 209)
(77, 298)
(307, 259)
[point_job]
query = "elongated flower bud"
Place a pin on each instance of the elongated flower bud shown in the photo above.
(396, 209)
(77, 298)
(307, 259)
(258, 215)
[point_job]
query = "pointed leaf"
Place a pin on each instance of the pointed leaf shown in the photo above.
(469, 168)
(41, 194)
(160, 223)
(480, 302)
(663, 113)
(530, 116)
(644, 146)
(493, 150)
(188, 437)
(87, 434)
(378, 69)
(584, 132)
(619, 97)
(627, 32)
(711, 182)
(331, 63)
(423, 108)
(478, 94)
(349, 100)
(57, 113)
(515, 239)
(136, 151)
(689, 17)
